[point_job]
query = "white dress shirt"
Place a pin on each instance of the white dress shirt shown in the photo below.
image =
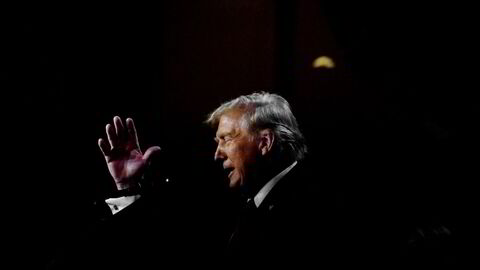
(258, 199)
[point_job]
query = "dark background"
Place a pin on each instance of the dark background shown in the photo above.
(393, 126)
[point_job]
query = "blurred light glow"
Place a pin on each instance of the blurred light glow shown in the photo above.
(323, 62)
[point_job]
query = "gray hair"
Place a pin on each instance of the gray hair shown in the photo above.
(264, 110)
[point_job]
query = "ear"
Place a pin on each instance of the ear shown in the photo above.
(266, 138)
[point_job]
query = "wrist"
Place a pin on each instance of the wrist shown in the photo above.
(122, 186)
(128, 183)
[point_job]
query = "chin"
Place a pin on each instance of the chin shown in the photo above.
(234, 183)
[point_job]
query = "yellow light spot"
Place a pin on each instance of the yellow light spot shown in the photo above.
(323, 62)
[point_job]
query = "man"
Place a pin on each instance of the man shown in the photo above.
(261, 150)
(257, 137)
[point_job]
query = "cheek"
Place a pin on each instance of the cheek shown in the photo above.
(239, 159)
(241, 155)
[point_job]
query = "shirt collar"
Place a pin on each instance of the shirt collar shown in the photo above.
(258, 199)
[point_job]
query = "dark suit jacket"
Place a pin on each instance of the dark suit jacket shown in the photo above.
(296, 225)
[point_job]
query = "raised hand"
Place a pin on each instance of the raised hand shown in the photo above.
(122, 153)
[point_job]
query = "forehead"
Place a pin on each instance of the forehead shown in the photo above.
(231, 121)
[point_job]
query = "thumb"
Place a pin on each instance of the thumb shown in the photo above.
(150, 151)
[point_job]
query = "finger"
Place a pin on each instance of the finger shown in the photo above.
(111, 135)
(104, 147)
(132, 132)
(119, 129)
(150, 151)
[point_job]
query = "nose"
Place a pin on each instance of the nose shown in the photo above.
(219, 154)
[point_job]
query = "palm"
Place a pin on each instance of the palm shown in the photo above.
(124, 163)
(124, 158)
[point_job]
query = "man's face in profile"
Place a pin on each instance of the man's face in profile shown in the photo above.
(236, 147)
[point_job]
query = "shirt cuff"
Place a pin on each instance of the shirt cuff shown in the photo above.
(117, 204)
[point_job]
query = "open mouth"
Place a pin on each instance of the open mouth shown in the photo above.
(229, 172)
